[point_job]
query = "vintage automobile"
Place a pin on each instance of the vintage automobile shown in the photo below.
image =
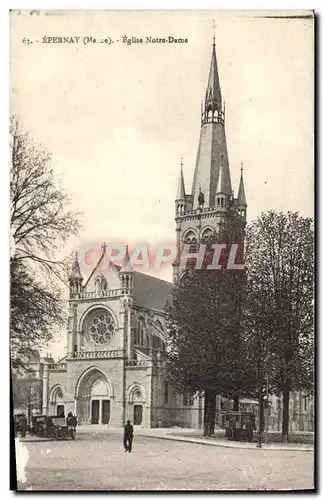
(39, 426)
(239, 425)
(63, 428)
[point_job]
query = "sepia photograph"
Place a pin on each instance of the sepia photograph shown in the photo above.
(162, 250)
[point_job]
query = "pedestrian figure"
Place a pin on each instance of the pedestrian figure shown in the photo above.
(128, 436)
(23, 426)
(49, 429)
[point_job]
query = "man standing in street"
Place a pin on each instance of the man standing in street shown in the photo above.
(128, 436)
(23, 425)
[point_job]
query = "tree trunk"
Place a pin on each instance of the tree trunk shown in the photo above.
(261, 415)
(209, 412)
(236, 406)
(285, 414)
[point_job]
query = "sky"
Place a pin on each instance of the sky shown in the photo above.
(117, 118)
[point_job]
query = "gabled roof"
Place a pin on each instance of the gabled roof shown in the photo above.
(61, 360)
(149, 292)
(111, 266)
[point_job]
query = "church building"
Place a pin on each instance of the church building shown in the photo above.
(114, 368)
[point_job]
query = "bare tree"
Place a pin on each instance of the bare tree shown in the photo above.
(40, 225)
(39, 220)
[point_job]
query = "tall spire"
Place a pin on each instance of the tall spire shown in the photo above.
(213, 98)
(241, 199)
(181, 193)
(212, 143)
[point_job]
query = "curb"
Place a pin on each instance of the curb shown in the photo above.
(220, 444)
(225, 445)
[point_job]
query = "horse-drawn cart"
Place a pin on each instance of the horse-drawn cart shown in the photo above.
(239, 425)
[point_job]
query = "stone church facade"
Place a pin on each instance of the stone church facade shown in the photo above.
(115, 366)
(116, 339)
(114, 369)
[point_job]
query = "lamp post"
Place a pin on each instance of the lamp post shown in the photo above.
(267, 408)
(259, 441)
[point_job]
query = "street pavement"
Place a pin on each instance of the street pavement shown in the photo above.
(97, 461)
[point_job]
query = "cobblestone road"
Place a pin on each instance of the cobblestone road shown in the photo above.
(98, 462)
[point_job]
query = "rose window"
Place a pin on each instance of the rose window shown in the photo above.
(100, 326)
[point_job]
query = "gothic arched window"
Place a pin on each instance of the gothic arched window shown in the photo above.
(207, 234)
(140, 336)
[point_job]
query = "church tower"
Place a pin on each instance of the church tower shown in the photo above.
(211, 210)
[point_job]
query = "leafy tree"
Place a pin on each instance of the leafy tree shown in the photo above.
(280, 270)
(205, 330)
(27, 394)
(35, 312)
(40, 225)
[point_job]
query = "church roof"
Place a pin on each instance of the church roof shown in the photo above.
(148, 291)
(151, 292)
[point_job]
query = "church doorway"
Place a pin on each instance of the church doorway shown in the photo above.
(60, 410)
(138, 414)
(93, 398)
(105, 411)
(95, 411)
(56, 401)
(100, 411)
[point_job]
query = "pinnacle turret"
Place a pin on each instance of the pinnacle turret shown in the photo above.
(241, 199)
(75, 272)
(127, 273)
(181, 193)
(127, 265)
(75, 277)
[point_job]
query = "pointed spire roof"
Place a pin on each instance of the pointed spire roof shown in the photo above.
(181, 193)
(75, 268)
(222, 185)
(241, 199)
(127, 265)
(213, 91)
(212, 144)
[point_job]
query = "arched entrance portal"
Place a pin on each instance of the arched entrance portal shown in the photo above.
(56, 401)
(136, 401)
(93, 396)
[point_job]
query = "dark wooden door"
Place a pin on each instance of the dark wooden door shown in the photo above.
(105, 411)
(95, 411)
(60, 410)
(138, 414)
